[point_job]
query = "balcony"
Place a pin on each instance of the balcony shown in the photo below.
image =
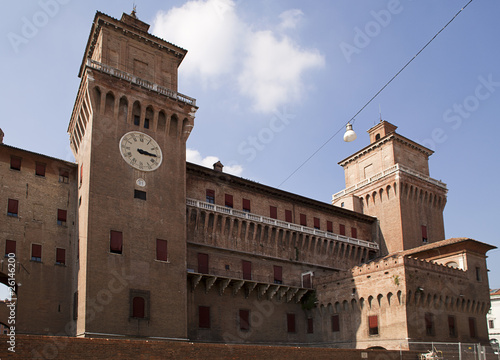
(278, 223)
(234, 281)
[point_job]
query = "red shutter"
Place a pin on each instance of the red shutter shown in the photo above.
(247, 270)
(116, 241)
(316, 223)
(278, 274)
(246, 204)
(424, 232)
(40, 169)
(138, 307)
(202, 263)
(36, 251)
(64, 173)
(288, 216)
(290, 320)
(306, 281)
(354, 232)
(310, 325)
(10, 247)
(229, 200)
(303, 220)
(204, 317)
(61, 215)
(329, 226)
(342, 229)
(244, 320)
(373, 321)
(15, 163)
(161, 250)
(273, 212)
(335, 323)
(60, 256)
(210, 196)
(13, 207)
(211, 193)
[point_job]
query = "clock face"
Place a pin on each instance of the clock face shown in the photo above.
(140, 151)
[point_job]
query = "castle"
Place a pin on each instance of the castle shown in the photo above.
(133, 241)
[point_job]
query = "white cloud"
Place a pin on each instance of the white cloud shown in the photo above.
(290, 18)
(262, 65)
(195, 157)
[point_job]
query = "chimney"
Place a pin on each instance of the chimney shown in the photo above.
(1, 136)
(218, 166)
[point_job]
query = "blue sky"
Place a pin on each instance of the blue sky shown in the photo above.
(276, 79)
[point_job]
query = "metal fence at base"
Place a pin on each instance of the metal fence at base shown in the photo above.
(452, 351)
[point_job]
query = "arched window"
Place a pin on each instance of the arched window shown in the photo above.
(377, 137)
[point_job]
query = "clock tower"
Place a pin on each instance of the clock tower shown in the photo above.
(128, 132)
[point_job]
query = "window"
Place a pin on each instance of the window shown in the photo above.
(81, 174)
(303, 219)
(13, 208)
(273, 212)
(377, 137)
(288, 216)
(451, 326)
(210, 196)
(244, 320)
(138, 307)
(146, 123)
(424, 233)
(202, 263)
(161, 250)
(36, 252)
(373, 324)
(429, 324)
(40, 169)
(342, 229)
(246, 205)
(342, 204)
(307, 280)
(60, 256)
(228, 200)
(139, 194)
(329, 226)
(75, 305)
(290, 321)
(204, 317)
(316, 223)
(278, 274)
(64, 176)
(115, 242)
(472, 327)
(335, 323)
(310, 326)
(10, 247)
(61, 217)
(354, 232)
(478, 273)
(247, 270)
(491, 324)
(15, 163)
(137, 120)
(139, 304)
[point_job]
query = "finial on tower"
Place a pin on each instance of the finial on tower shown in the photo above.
(134, 12)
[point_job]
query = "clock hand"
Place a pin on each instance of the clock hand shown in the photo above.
(143, 152)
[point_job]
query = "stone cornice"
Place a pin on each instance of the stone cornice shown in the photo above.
(391, 137)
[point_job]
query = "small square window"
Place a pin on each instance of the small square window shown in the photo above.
(15, 163)
(139, 194)
(36, 252)
(60, 256)
(13, 208)
(40, 169)
(491, 324)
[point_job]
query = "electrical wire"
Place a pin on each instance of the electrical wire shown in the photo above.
(373, 97)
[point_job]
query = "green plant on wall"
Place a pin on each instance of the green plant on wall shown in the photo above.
(309, 300)
(396, 279)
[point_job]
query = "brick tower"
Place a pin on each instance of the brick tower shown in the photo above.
(389, 179)
(128, 132)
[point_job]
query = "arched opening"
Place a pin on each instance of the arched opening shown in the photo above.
(136, 113)
(97, 99)
(162, 121)
(172, 131)
(123, 109)
(148, 120)
(110, 104)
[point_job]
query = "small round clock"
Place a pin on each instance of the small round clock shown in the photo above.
(140, 151)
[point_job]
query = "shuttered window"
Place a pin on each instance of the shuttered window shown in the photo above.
(335, 323)
(36, 252)
(342, 229)
(202, 263)
(246, 205)
(303, 220)
(288, 216)
(354, 232)
(329, 226)
(306, 281)
(316, 223)
(451, 326)
(244, 320)
(228, 200)
(15, 163)
(40, 169)
(472, 327)
(273, 212)
(10, 247)
(61, 217)
(60, 256)
(247, 270)
(204, 317)
(13, 207)
(138, 307)
(290, 321)
(161, 250)
(278, 274)
(115, 242)
(310, 326)
(373, 324)
(210, 196)
(424, 233)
